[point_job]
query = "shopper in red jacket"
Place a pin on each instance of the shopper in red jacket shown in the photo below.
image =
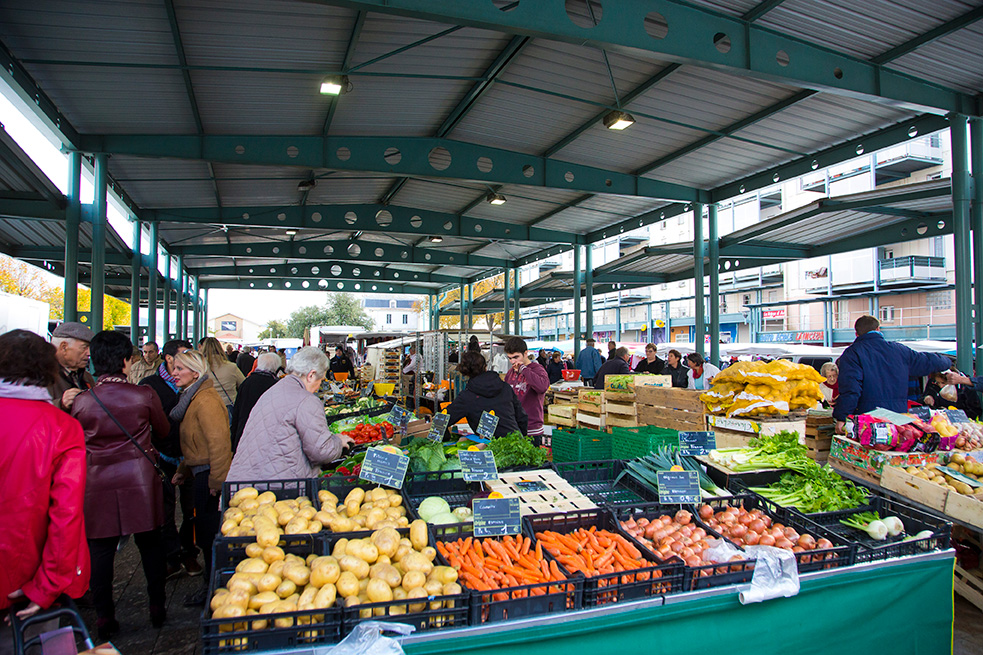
(42, 473)
(529, 381)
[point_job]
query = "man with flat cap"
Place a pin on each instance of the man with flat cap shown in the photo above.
(71, 342)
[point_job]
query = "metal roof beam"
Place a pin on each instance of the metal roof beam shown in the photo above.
(919, 126)
(545, 253)
(596, 118)
(942, 30)
(21, 80)
(314, 284)
(760, 10)
(346, 63)
(33, 253)
(327, 268)
(649, 217)
(368, 218)
(30, 206)
(629, 278)
(362, 251)
(765, 250)
(909, 230)
(695, 36)
(417, 153)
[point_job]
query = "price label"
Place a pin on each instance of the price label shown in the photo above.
(922, 412)
(487, 425)
(882, 434)
(438, 426)
(678, 486)
(478, 465)
(384, 467)
(956, 416)
(696, 443)
(399, 416)
(338, 398)
(496, 517)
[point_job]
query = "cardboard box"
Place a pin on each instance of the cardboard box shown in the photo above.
(875, 460)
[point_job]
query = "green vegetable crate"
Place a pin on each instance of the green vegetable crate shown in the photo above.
(580, 445)
(628, 443)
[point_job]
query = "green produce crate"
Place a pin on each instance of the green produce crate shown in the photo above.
(581, 445)
(628, 443)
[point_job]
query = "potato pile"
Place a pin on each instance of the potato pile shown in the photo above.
(261, 515)
(384, 566)
(958, 462)
(759, 388)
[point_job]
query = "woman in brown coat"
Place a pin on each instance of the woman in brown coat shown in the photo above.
(123, 493)
(207, 449)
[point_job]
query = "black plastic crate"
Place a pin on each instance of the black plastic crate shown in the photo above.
(341, 486)
(229, 551)
(915, 521)
(284, 489)
(244, 634)
(493, 606)
(741, 486)
(740, 481)
(652, 579)
(596, 480)
(453, 611)
(438, 483)
(843, 553)
(702, 576)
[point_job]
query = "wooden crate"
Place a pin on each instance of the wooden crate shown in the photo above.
(562, 411)
(866, 475)
(969, 585)
(588, 420)
(558, 496)
(636, 381)
(817, 448)
(921, 491)
(675, 409)
(589, 396)
(964, 508)
(619, 421)
(738, 432)
(561, 422)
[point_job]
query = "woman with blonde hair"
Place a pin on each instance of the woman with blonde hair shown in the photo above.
(207, 450)
(225, 375)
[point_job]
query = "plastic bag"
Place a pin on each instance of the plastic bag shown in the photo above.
(949, 392)
(775, 574)
(367, 639)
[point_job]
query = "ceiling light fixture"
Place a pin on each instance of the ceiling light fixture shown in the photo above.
(495, 199)
(291, 233)
(618, 120)
(335, 85)
(306, 185)
(436, 238)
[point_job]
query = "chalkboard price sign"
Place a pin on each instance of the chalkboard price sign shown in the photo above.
(438, 426)
(496, 517)
(487, 425)
(399, 416)
(696, 443)
(956, 416)
(678, 486)
(478, 465)
(384, 467)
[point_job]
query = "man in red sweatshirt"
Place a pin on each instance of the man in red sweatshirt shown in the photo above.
(530, 382)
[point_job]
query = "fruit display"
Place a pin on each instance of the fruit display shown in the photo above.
(391, 573)
(760, 388)
(252, 513)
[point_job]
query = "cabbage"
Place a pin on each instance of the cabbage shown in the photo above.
(463, 513)
(431, 507)
(443, 518)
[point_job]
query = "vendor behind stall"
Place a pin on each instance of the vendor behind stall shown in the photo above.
(486, 392)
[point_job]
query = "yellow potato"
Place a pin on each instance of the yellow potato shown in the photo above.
(379, 591)
(272, 554)
(254, 550)
(268, 582)
(262, 598)
(325, 597)
(243, 494)
(347, 585)
(418, 534)
(356, 495)
(413, 579)
(266, 498)
(286, 589)
(252, 565)
(325, 572)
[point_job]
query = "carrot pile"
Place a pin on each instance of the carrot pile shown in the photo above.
(593, 552)
(488, 564)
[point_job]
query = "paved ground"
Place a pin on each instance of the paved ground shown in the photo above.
(181, 636)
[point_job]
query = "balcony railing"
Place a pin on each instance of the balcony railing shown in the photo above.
(912, 268)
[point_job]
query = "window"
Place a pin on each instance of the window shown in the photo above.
(939, 299)
(886, 314)
(406, 319)
(746, 299)
(772, 296)
(392, 304)
(663, 225)
(389, 319)
(632, 313)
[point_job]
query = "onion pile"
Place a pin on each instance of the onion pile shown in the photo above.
(755, 528)
(673, 536)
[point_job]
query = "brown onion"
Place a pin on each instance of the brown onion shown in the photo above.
(767, 540)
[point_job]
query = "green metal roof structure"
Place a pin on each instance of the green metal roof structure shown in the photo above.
(206, 119)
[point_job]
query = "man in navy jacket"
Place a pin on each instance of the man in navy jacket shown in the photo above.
(874, 372)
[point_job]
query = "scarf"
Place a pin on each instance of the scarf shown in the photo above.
(110, 378)
(177, 414)
(167, 377)
(18, 391)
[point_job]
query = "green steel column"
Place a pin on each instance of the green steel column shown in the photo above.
(135, 285)
(196, 320)
(961, 241)
(470, 289)
(461, 313)
(714, 288)
(152, 286)
(99, 207)
(516, 319)
(180, 313)
(589, 290)
(578, 280)
(507, 292)
(698, 274)
(617, 321)
(73, 216)
(204, 313)
(976, 148)
(167, 297)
